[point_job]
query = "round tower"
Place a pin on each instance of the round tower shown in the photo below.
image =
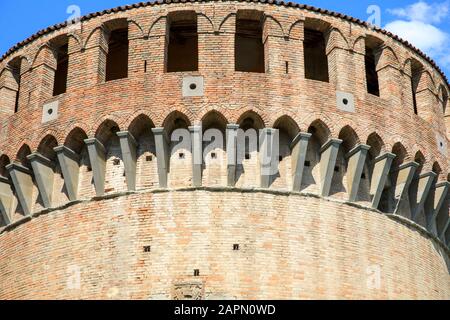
(222, 150)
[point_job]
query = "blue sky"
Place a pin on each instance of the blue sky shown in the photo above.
(424, 23)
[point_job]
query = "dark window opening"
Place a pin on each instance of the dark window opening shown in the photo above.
(16, 104)
(416, 72)
(249, 46)
(117, 57)
(235, 247)
(182, 43)
(316, 60)
(373, 86)
(147, 248)
(287, 67)
(196, 273)
(16, 70)
(62, 68)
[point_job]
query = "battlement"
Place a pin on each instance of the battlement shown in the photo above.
(169, 96)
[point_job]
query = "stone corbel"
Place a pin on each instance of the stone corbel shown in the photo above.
(97, 159)
(128, 147)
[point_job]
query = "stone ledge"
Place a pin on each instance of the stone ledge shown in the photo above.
(397, 218)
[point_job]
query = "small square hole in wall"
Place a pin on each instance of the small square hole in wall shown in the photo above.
(307, 163)
(196, 273)
(213, 155)
(149, 158)
(124, 173)
(88, 169)
(147, 248)
(235, 247)
(247, 156)
(181, 155)
(336, 169)
(116, 162)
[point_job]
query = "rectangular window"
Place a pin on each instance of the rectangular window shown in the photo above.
(316, 60)
(373, 86)
(249, 46)
(117, 57)
(182, 43)
(62, 67)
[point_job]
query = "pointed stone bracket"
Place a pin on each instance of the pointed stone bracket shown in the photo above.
(440, 194)
(6, 200)
(268, 155)
(23, 184)
(299, 147)
(380, 174)
(197, 155)
(162, 155)
(128, 147)
(69, 161)
(328, 156)
(232, 132)
(424, 186)
(405, 175)
(356, 158)
(43, 170)
(97, 159)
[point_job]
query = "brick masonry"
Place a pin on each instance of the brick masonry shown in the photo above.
(293, 246)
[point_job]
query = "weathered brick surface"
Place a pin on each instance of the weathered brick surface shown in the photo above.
(291, 246)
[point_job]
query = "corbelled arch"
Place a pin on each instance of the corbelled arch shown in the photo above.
(287, 124)
(377, 145)
(75, 139)
(46, 146)
(251, 119)
(107, 129)
(139, 124)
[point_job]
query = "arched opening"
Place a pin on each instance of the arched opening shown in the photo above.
(377, 148)
(115, 180)
(443, 98)
(214, 149)
(118, 46)
(59, 194)
(248, 171)
(414, 187)
(75, 142)
(373, 47)
(249, 46)
(287, 131)
(388, 202)
(314, 46)
(61, 51)
(21, 158)
(416, 74)
(12, 96)
(320, 134)
(176, 126)
(182, 42)
(339, 182)
(147, 165)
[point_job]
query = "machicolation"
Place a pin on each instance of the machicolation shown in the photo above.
(137, 158)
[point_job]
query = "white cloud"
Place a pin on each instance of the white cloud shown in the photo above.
(422, 11)
(419, 28)
(425, 36)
